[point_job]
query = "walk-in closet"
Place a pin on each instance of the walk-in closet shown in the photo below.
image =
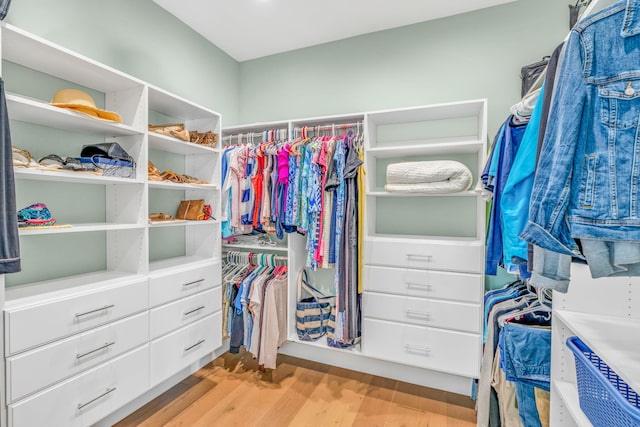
(277, 213)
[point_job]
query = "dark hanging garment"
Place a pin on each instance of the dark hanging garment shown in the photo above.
(9, 244)
(4, 8)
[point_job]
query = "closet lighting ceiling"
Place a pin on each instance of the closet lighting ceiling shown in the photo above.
(249, 29)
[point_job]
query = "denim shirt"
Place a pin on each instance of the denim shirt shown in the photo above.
(588, 178)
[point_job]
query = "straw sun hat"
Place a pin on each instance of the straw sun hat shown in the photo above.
(82, 102)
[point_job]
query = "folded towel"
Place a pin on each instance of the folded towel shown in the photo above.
(435, 177)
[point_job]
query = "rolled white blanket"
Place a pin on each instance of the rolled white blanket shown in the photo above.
(434, 177)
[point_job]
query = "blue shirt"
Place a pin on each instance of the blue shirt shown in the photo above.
(511, 138)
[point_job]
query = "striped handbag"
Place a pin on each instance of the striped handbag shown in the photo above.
(312, 313)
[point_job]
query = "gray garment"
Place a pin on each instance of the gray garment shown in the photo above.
(4, 8)
(9, 241)
(353, 162)
(484, 383)
(549, 84)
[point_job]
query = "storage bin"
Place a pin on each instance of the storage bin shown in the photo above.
(604, 397)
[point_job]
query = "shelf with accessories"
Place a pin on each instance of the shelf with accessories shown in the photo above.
(92, 264)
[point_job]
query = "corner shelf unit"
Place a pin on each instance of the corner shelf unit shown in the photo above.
(604, 313)
(102, 274)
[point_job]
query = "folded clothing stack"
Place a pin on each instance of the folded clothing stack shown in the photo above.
(431, 177)
(36, 215)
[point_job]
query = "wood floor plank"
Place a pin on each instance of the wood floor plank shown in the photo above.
(336, 400)
(287, 406)
(376, 404)
(232, 391)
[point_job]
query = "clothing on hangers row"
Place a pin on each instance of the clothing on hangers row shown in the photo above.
(311, 186)
(514, 384)
(255, 304)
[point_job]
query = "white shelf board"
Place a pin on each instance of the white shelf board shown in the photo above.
(68, 176)
(254, 127)
(613, 339)
(34, 293)
(322, 343)
(432, 112)
(258, 248)
(186, 262)
(454, 145)
(181, 223)
(34, 111)
(391, 194)
(328, 120)
(443, 240)
(168, 185)
(568, 393)
(175, 106)
(177, 146)
(80, 228)
(39, 54)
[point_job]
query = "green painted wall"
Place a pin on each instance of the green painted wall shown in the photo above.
(469, 56)
(141, 39)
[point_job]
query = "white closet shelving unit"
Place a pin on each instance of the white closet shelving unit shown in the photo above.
(605, 314)
(424, 254)
(423, 285)
(108, 308)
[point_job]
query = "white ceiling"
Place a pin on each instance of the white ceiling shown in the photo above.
(248, 29)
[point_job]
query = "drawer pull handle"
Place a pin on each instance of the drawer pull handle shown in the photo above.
(186, 313)
(194, 345)
(411, 313)
(419, 257)
(426, 286)
(105, 346)
(109, 391)
(106, 307)
(417, 349)
(195, 282)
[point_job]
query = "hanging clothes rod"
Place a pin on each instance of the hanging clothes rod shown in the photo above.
(250, 252)
(333, 126)
(252, 135)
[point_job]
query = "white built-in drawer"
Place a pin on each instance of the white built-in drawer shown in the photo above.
(172, 284)
(447, 351)
(179, 349)
(445, 285)
(88, 397)
(39, 368)
(421, 311)
(450, 255)
(51, 319)
(177, 314)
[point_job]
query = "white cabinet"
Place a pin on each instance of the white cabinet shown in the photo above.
(174, 351)
(88, 397)
(77, 318)
(424, 253)
(32, 370)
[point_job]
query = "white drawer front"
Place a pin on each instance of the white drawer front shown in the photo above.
(447, 351)
(177, 314)
(39, 368)
(86, 398)
(179, 349)
(420, 311)
(28, 327)
(440, 255)
(181, 283)
(462, 287)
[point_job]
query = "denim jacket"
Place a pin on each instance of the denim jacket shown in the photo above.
(587, 183)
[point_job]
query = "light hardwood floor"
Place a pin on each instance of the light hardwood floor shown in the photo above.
(230, 391)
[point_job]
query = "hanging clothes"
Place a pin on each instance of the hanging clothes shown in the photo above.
(9, 240)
